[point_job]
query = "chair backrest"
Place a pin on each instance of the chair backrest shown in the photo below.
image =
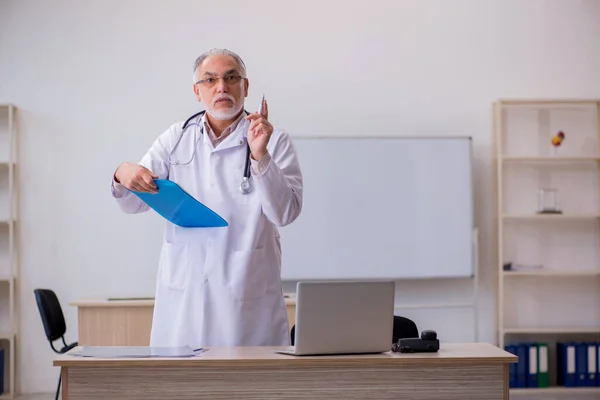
(51, 313)
(403, 328)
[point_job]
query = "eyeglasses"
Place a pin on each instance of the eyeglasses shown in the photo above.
(229, 80)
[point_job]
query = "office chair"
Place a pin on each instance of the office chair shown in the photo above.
(53, 321)
(403, 328)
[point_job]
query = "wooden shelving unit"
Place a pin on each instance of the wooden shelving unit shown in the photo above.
(555, 294)
(8, 246)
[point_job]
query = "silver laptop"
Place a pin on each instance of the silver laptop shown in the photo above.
(343, 318)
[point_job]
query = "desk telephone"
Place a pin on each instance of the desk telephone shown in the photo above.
(427, 343)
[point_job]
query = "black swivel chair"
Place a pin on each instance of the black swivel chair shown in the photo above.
(53, 321)
(403, 328)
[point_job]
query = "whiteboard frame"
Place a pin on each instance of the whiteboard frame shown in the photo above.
(474, 304)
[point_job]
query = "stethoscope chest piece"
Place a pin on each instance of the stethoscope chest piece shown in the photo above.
(245, 186)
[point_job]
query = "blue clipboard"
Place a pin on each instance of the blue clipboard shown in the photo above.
(178, 207)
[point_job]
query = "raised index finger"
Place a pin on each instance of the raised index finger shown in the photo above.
(254, 116)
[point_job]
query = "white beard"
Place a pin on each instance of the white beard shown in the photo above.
(224, 114)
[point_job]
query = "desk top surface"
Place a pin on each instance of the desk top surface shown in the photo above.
(137, 302)
(449, 353)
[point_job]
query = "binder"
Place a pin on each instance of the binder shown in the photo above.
(532, 365)
(543, 377)
(597, 364)
(512, 368)
(581, 365)
(522, 365)
(179, 207)
(592, 364)
(566, 364)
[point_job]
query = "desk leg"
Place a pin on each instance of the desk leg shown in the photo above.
(253, 382)
(506, 381)
(64, 390)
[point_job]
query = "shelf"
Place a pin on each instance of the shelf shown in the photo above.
(532, 305)
(551, 330)
(551, 273)
(547, 159)
(547, 104)
(533, 217)
(534, 102)
(554, 390)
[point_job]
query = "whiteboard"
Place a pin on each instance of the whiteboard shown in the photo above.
(382, 208)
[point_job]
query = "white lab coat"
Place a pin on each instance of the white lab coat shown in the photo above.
(222, 286)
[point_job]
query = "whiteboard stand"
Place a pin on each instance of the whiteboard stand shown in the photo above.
(476, 283)
(474, 304)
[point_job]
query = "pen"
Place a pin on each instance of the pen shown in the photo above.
(260, 108)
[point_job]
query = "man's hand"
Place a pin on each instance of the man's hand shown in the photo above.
(136, 177)
(259, 132)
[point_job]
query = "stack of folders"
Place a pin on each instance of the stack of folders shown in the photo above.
(531, 371)
(577, 364)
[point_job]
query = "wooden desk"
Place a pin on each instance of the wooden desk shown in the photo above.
(104, 322)
(459, 371)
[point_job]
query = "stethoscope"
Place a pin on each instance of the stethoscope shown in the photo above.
(245, 186)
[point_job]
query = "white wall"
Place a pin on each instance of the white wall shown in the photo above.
(96, 81)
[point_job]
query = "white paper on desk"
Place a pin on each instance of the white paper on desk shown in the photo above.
(138, 352)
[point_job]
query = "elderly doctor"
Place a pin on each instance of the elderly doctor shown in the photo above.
(220, 286)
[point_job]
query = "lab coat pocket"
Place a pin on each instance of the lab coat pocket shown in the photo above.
(175, 265)
(247, 276)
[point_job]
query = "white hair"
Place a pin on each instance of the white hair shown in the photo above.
(220, 52)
